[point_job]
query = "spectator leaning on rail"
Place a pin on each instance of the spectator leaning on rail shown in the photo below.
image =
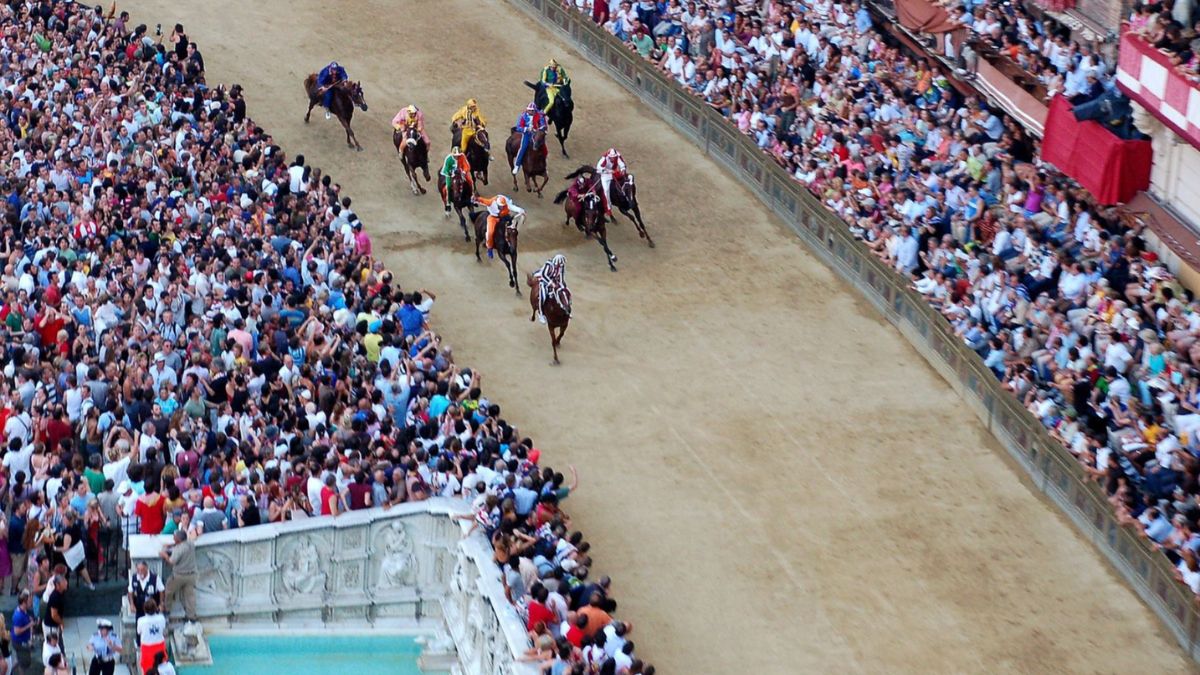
(1062, 300)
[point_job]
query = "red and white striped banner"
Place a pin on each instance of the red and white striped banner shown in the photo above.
(1146, 75)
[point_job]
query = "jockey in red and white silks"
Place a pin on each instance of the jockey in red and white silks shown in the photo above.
(552, 279)
(611, 165)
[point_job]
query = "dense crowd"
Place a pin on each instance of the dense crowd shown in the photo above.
(1060, 298)
(194, 336)
(1168, 26)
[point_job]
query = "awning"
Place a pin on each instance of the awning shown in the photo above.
(1112, 169)
(924, 16)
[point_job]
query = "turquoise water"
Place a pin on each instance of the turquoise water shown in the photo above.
(310, 655)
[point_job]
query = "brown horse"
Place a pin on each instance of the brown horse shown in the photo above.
(557, 316)
(478, 151)
(459, 198)
(346, 95)
(414, 155)
(506, 243)
(533, 163)
(624, 199)
(582, 203)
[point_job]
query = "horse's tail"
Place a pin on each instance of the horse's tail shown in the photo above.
(560, 197)
(585, 169)
(529, 280)
(310, 84)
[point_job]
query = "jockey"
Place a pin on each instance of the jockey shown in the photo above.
(554, 77)
(611, 165)
(530, 121)
(551, 277)
(497, 207)
(411, 116)
(470, 120)
(329, 76)
(454, 160)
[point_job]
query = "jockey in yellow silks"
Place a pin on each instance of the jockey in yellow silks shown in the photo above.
(470, 120)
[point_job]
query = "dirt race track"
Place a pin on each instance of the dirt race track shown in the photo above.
(776, 480)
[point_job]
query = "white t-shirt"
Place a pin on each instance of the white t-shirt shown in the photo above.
(152, 629)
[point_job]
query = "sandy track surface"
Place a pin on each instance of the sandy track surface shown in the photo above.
(776, 480)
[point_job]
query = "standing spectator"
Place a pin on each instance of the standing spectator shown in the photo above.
(144, 585)
(23, 623)
(18, 555)
(181, 556)
(105, 647)
(152, 636)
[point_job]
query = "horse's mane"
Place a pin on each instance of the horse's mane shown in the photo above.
(584, 170)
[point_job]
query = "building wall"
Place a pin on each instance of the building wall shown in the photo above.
(1175, 175)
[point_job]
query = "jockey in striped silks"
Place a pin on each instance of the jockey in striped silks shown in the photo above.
(553, 278)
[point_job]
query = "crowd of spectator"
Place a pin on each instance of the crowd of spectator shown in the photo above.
(194, 335)
(1061, 299)
(1167, 26)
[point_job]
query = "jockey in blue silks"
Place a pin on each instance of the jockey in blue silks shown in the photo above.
(329, 76)
(530, 121)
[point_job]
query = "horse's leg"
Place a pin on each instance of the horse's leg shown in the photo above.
(562, 140)
(512, 274)
(463, 222)
(608, 252)
(477, 240)
(553, 343)
(312, 103)
(641, 225)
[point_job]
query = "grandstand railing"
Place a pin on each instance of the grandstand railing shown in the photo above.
(1051, 468)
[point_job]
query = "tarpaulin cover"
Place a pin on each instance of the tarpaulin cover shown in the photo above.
(1113, 170)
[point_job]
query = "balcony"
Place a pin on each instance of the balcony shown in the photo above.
(1168, 92)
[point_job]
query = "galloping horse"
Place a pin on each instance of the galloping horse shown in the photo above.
(584, 205)
(533, 164)
(346, 95)
(557, 316)
(478, 152)
(561, 115)
(414, 154)
(506, 243)
(459, 197)
(624, 199)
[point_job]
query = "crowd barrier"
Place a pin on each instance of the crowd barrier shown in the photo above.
(1052, 469)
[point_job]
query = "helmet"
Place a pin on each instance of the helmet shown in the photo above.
(532, 107)
(553, 63)
(471, 103)
(334, 64)
(412, 110)
(455, 150)
(501, 201)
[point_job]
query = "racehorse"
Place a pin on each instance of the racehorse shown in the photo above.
(506, 243)
(561, 115)
(346, 95)
(624, 199)
(414, 154)
(584, 205)
(459, 197)
(533, 163)
(557, 316)
(478, 152)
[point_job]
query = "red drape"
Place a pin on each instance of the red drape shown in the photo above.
(1112, 169)
(923, 16)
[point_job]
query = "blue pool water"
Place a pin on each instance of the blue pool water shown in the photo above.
(310, 655)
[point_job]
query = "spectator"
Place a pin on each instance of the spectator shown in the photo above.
(181, 556)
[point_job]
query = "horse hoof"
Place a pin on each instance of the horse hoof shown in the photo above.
(651, 241)
(555, 362)
(423, 190)
(512, 284)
